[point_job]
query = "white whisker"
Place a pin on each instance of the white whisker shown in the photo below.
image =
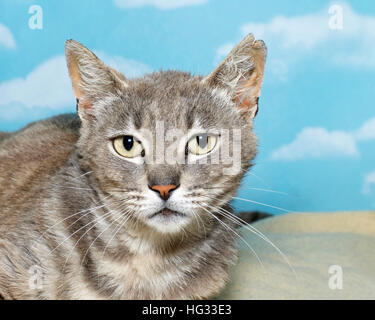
(96, 220)
(262, 204)
(100, 234)
(265, 190)
(252, 229)
(66, 239)
(89, 210)
(239, 236)
(121, 224)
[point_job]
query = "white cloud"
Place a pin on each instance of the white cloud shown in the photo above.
(6, 38)
(303, 32)
(368, 182)
(160, 4)
(48, 85)
(222, 51)
(291, 39)
(317, 143)
(130, 68)
(367, 131)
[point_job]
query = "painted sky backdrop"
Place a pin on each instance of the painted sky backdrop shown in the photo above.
(316, 124)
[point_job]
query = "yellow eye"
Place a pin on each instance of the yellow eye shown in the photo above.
(128, 147)
(201, 144)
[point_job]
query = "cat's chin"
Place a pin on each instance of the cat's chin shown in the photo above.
(167, 214)
(168, 221)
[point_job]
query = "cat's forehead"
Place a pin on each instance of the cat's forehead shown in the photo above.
(177, 99)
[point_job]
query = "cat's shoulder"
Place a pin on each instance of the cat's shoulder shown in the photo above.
(35, 152)
(68, 122)
(42, 136)
(52, 137)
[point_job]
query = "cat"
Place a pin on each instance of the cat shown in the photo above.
(88, 213)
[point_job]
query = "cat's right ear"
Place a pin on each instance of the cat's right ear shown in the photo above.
(91, 79)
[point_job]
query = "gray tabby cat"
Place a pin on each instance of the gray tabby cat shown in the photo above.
(87, 213)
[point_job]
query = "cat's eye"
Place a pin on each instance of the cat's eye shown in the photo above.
(201, 144)
(128, 147)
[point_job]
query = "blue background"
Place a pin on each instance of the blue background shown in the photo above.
(317, 77)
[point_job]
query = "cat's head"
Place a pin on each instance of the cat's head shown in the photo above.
(168, 149)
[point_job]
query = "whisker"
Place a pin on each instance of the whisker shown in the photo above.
(239, 236)
(97, 219)
(252, 229)
(82, 175)
(266, 190)
(196, 216)
(66, 239)
(121, 215)
(70, 216)
(262, 204)
(121, 224)
(116, 201)
(249, 188)
(257, 177)
(77, 188)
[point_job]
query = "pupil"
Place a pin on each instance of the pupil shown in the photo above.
(202, 141)
(128, 142)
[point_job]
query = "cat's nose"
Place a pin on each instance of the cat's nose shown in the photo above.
(164, 190)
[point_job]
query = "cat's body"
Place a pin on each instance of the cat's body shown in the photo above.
(77, 221)
(139, 272)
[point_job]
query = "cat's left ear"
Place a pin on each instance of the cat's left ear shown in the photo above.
(241, 74)
(91, 79)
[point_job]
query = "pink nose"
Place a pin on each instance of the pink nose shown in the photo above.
(164, 190)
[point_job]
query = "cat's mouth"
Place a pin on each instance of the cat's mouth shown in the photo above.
(167, 213)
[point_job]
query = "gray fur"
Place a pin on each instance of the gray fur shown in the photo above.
(61, 188)
(3, 135)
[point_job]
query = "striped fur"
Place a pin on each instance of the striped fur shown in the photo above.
(77, 220)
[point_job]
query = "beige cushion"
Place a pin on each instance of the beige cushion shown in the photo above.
(313, 242)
